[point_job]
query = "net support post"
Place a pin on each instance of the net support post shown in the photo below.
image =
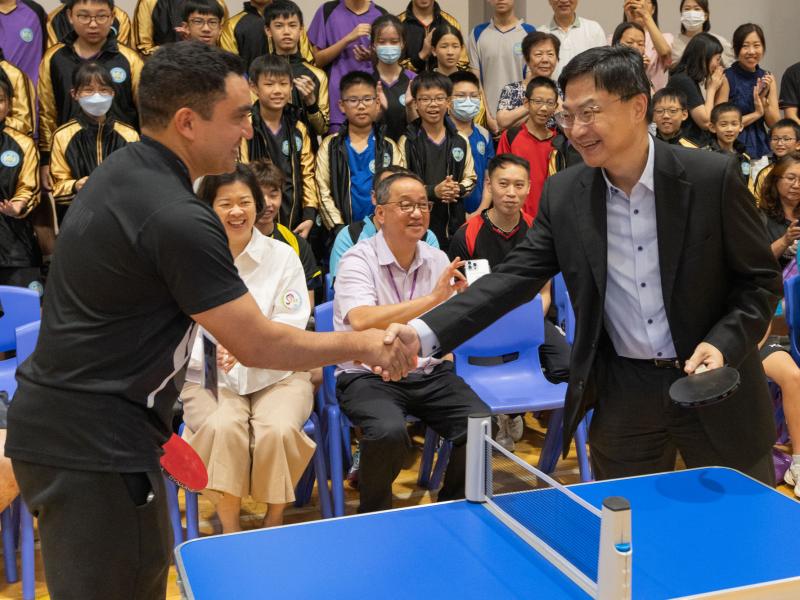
(616, 550)
(478, 426)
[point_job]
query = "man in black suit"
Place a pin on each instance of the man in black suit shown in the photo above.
(668, 267)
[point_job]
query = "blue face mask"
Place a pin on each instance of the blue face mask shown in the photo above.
(466, 109)
(96, 105)
(388, 54)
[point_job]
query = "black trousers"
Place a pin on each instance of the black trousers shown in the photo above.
(637, 430)
(441, 399)
(103, 535)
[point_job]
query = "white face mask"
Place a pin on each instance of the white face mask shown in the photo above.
(693, 20)
(96, 105)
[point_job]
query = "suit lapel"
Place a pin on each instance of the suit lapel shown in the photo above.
(673, 195)
(590, 213)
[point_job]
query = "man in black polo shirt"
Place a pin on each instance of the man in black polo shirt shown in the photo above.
(140, 264)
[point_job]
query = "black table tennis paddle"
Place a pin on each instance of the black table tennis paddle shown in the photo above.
(705, 387)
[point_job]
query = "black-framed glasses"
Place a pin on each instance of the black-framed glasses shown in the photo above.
(85, 19)
(672, 112)
(783, 140)
(585, 116)
(198, 22)
(353, 101)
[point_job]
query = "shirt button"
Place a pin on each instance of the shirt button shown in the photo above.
(636, 211)
(644, 285)
(640, 248)
(649, 321)
(658, 353)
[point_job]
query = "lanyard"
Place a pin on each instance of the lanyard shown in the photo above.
(394, 285)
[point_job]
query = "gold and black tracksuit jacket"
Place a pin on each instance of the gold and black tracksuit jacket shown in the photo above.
(19, 180)
(154, 23)
(56, 105)
(22, 115)
(415, 33)
(79, 146)
(58, 26)
(316, 118)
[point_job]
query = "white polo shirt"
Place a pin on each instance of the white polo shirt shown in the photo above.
(581, 35)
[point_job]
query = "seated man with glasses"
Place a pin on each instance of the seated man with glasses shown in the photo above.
(532, 140)
(201, 22)
(391, 278)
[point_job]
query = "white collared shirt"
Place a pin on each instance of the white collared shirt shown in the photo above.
(581, 35)
(274, 275)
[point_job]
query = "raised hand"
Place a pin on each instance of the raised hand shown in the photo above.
(451, 281)
(305, 87)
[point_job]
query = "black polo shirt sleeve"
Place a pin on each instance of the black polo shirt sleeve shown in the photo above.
(790, 88)
(458, 245)
(685, 84)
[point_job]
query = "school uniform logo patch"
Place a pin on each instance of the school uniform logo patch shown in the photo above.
(26, 35)
(518, 48)
(298, 142)
(9, 158)
(387, 160)
(285, 147)
(292, 300)
(458, 154)
(481, 146)
(372, 166)
(118, 75)
(402, 99)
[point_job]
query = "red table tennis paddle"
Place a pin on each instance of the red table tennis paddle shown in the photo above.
(183, 466)
(705, 387)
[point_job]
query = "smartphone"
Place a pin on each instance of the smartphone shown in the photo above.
(475, 269)
(210, 377)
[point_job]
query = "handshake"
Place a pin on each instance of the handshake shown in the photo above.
(392, 353)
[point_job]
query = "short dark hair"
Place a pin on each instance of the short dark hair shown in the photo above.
(269, 64)
(207, 192)
(741, 33)
(189, 74)
(534, 38)
(695, 58)
(669, 93)
(622, 28)
(785, 124)
(282, 9)
(201, 7)
(724, 107)
(538, 82)
(392, 170)
(70, 4)
(91, 71)
(429, 80)
(267, 173)
(356, 78)
(384, 189)
(616, 69)
(462, 76)
(443, 30)
(501, 161)
(704, 5)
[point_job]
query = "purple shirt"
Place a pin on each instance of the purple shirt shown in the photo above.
(369, 275)
(322, 34)
(21, 38)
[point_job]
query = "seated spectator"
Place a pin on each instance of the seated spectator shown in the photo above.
(695, 19)
(363, 230)
(434, 149)
(421, 19)
(790, 93)
(270, 181)
(657, 49)
(59, 27)
(491, 235)
(20, 258)
(158, 22)
(752, 89)
(394, 81)
(726, 125)
(347, 160)
(669, 115)
(701, 78)
(575, 33)
(8, 483)
(391, 278)
(280, 137)
(22, 115)
(465, 108)
(81, 144)
(532, 139)
(251, 436)
(540, 50)
(201, 21)
(784, 138)
(780, 203)
(24, 35)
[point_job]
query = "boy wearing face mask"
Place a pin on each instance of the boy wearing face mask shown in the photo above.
(465, 105)
(81, 144)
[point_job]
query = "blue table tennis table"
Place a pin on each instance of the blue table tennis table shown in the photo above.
(693, 532)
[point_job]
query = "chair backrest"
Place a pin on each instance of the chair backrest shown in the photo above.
(20, 306)
(521, 330)
(791, 289)
(323, 318)
(27, 335)
(561, 299)
(329, 292)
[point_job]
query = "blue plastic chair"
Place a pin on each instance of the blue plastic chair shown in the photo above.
(561, 300)
(791, 290)
(518, 385)
(329, 291)
(20, 306)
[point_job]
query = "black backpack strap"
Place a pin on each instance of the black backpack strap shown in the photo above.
(354, 230)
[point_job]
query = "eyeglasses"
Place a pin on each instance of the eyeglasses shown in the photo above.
(426, 100)
(410, 207)
(539, 102)
(85, 19)
(783, 140)
(586, 115)
(198, 22)
(672, 112)
(353, 101)
(791, 180)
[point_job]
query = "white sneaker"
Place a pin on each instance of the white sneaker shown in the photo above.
(516, 427)
(792, 477)
(503, 437)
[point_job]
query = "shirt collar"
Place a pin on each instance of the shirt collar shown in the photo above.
(255, 249)
(575, 24)
(385, 256)
(646, 179)
(518, 24)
